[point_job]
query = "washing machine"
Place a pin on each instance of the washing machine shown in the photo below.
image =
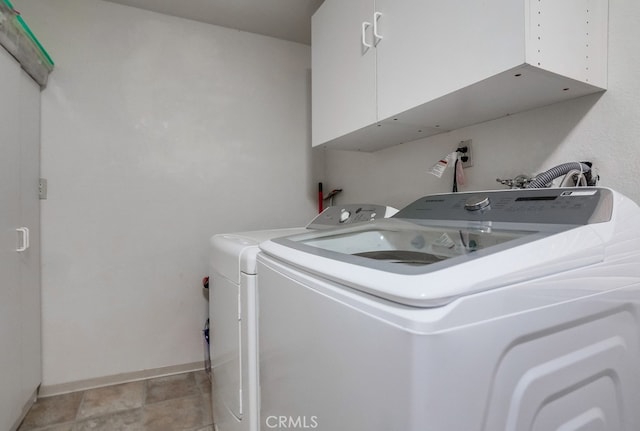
(505, 310)
(232, 312)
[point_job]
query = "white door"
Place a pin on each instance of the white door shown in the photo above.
(432, 48)
(343, 69)
(10, 356)
(29, 110)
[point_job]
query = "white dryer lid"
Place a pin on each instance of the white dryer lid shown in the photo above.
(235, 253)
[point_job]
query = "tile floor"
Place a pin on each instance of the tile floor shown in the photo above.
(180, 402)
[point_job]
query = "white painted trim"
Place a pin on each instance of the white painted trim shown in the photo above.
(25, 410)
(80, 385)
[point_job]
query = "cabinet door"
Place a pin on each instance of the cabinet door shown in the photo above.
(343, 84)
(29, 113)
(10, 384)
(432, 48)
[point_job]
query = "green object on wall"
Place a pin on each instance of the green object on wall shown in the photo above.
(17, 38)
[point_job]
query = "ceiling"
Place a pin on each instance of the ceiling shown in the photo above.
(283, 19)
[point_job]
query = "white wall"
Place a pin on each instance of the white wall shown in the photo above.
(157, 132)
(602, 128)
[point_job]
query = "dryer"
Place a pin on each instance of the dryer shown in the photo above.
(504, 310)
(233, 310)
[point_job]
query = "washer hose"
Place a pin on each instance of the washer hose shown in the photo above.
(546, 177)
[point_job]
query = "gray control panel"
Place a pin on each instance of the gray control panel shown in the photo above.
(346, 214)
(574, 206)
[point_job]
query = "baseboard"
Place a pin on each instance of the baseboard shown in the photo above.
(80, 385)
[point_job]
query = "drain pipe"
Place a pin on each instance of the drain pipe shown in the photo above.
(541, 180)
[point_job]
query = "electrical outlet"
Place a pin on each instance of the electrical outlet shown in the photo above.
(464, 149)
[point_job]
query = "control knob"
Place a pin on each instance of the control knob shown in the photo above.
(477, 202)
(344, 216)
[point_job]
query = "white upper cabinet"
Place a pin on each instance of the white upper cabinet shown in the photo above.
(438, 65)
(343, 69)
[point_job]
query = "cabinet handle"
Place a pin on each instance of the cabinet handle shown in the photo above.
(25, 239)
(376, 36)
(365, 26)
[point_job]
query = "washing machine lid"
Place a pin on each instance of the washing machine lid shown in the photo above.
(441, 247)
